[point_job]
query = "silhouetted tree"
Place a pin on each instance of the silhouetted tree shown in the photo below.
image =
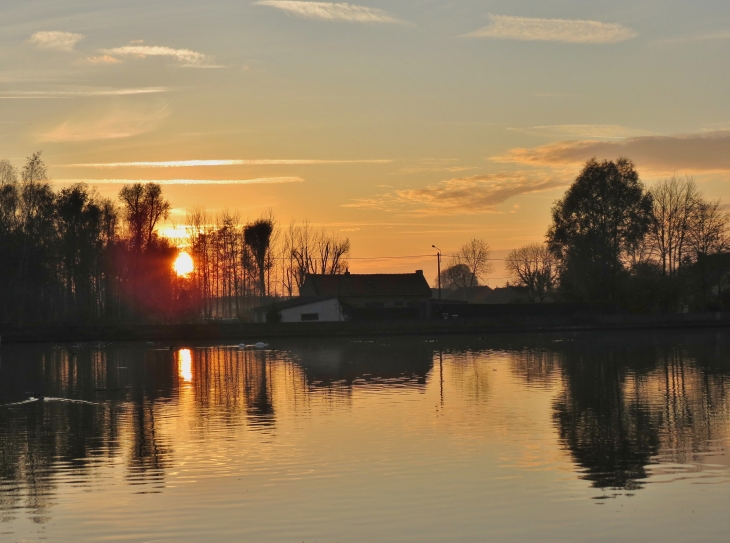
(257, 237)
(603, 215)
(533, 267)
(457, 275)
(143, 206)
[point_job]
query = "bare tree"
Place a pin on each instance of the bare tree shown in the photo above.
(708, 229)
(332, 252)
(8, 196)
(476, 256)
(534, 267)
(314, 251)
(675, 202)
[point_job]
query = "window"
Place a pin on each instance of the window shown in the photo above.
(310, 316)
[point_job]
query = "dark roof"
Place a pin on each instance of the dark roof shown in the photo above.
(372, 284)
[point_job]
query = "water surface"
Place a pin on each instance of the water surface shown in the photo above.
(590, 437)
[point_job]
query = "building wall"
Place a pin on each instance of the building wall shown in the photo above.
(326, 311)
(383, 301)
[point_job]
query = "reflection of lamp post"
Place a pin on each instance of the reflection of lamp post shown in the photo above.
(438, 257)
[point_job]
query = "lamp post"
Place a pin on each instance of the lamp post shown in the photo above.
(438, 257)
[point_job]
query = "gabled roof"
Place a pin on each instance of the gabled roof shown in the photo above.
(371, 284)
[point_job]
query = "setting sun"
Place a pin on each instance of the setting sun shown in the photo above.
(183, 264)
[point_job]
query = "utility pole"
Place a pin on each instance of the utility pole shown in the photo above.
(438, 259)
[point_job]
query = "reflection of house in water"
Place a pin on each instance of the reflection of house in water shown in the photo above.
(348, 363)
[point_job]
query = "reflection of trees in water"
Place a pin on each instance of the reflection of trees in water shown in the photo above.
(609, 434)
(693, 407)
(627, 399)
(537, 366)
(469, 373)
(40, 440)
(238, 383)
(149, 450)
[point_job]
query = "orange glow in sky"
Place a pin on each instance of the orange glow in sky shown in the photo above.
(183, 265)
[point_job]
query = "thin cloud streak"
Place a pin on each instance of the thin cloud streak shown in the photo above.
(196, 163)
(598, 131)
(702, 153)
(255, 181)
(505, 27)
(53, 39)
(186, 56)
(19, 95)
(720, 35)
(328, 11)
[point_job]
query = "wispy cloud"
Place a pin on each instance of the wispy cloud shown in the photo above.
(102, 59)
(120, 123)
(255, 181)
(225, 162)
(705, 152)
(598, 131)
(720, 35)
(331, 11)
(80, 92)
(185, 56)
(422, 169)
(464, 195)
(53, 39)
(506, 27)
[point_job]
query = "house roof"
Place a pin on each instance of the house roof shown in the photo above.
(370, 284)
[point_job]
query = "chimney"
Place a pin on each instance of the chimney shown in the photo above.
(419, 272)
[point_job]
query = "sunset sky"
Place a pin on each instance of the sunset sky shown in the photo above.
(399, 124)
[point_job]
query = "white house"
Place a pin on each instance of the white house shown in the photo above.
(350, 296)
(310, 309)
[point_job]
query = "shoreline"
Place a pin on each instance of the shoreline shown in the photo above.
(256, 331)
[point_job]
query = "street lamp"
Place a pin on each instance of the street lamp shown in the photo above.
(438, 256)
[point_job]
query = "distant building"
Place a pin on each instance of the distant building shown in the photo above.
(484, 295)
(350, 296)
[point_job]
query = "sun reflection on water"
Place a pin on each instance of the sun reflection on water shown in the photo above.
(185, 365)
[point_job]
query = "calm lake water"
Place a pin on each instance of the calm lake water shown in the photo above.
(591, 437)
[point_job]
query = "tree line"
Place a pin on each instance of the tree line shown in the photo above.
(72, 256)
(614, 241)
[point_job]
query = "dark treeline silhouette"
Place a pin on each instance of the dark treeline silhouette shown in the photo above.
(613, 241)
(71, 256)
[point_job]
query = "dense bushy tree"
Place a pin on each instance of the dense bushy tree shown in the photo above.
(601, 218)
(456, 276)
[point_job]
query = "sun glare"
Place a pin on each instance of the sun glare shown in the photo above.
(183, 264)
(185, 364)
